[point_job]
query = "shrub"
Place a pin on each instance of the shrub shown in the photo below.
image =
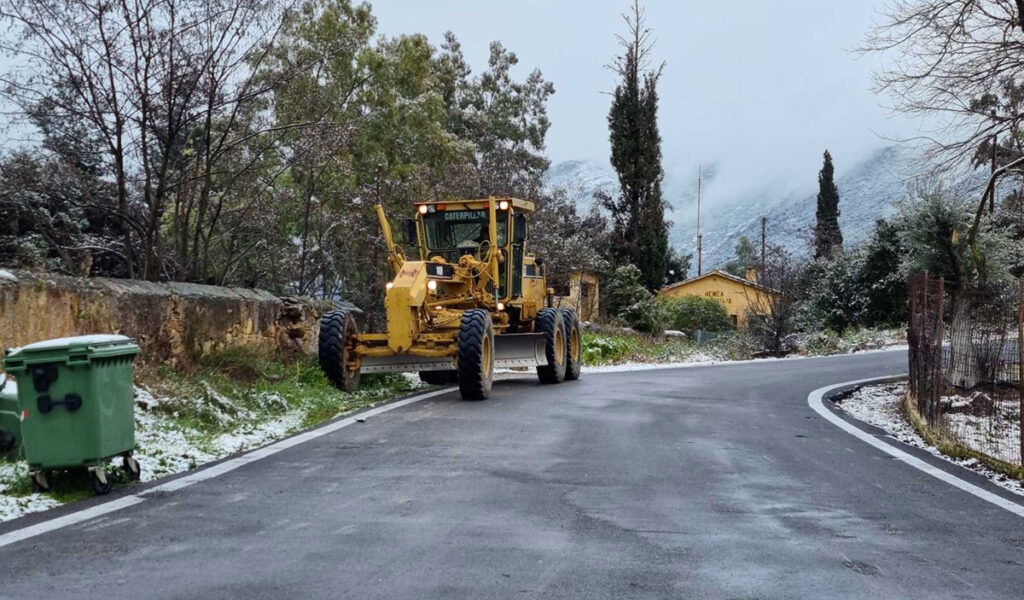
(646, 316)
(824, 343)
(691, 313)
(624, 290)
(600, 349)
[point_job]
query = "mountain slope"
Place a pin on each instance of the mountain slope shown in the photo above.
(868, 191)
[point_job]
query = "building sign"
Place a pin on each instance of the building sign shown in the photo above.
(718, 295)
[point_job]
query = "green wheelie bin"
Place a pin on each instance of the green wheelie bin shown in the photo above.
(77, 397)
(10, 419)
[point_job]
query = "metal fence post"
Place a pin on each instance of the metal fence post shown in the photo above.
(937, 353)
(1020, 365)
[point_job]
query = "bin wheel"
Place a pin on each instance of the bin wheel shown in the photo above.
(101, 484)
(132, 468)
(40, 483)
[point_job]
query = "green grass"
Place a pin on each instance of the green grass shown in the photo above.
(238, 384)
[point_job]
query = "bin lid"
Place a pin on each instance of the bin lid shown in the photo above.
(99, 339)
(95, 346)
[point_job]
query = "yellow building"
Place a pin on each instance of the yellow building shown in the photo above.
(583, 292)
(737, 294)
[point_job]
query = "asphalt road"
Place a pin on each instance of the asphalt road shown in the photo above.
(714, 482)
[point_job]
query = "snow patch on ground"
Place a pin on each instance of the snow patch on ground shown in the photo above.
(163, 446)
(257, 435)
(12, 507)
(881, 406)
(988, 423)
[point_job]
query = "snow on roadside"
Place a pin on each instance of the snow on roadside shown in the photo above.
(881, 406)
(987, 423)
(163, 446)
(12, 507)
(256, 435)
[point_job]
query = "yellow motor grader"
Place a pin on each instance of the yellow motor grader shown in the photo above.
(473, 299)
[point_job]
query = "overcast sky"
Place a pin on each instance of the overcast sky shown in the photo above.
(768, 84)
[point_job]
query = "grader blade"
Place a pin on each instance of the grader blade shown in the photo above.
(510, 350)
(519, 350)
(406, 363)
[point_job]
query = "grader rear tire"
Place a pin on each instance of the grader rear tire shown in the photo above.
(573, 345)
(336, 328)
(475, 359)
(549, 322)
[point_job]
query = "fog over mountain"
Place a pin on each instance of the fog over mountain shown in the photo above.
(731, 208)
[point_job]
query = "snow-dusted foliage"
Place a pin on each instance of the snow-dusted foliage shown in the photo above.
(249, 141)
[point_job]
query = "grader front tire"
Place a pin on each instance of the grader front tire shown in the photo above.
(336, 328)
(549, 322)
(475, 360)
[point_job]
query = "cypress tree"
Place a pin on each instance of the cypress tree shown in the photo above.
(639, 230)
(828, 239)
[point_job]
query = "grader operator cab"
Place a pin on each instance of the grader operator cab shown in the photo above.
(471, 299)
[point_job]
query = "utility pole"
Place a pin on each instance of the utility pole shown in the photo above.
(700, 240)
(764, 224)
(991, 200)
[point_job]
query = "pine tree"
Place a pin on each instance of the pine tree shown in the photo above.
(747, 257)
(640, 233)
(828, 239)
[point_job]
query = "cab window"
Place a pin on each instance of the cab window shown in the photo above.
(461, 229)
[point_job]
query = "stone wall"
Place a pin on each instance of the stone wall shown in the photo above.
(173, 323)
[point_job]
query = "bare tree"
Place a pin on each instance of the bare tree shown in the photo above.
(959, 63)
(168, 87)
(774, 301)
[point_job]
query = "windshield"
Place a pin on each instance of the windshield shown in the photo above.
(460, 229)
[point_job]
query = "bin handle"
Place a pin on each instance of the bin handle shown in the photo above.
(71, 402)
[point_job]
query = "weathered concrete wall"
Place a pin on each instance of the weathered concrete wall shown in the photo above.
(172, 322)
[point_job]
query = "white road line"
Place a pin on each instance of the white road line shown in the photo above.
(816, 400)
(202, 474)
(68, 520)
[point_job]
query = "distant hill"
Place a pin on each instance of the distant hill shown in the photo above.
(868, 191)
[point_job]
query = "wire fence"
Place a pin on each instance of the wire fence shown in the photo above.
(965, 362)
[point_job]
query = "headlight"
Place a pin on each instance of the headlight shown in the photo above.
(503, 205)
(423, 209)
(389, 285)
(432, 285)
